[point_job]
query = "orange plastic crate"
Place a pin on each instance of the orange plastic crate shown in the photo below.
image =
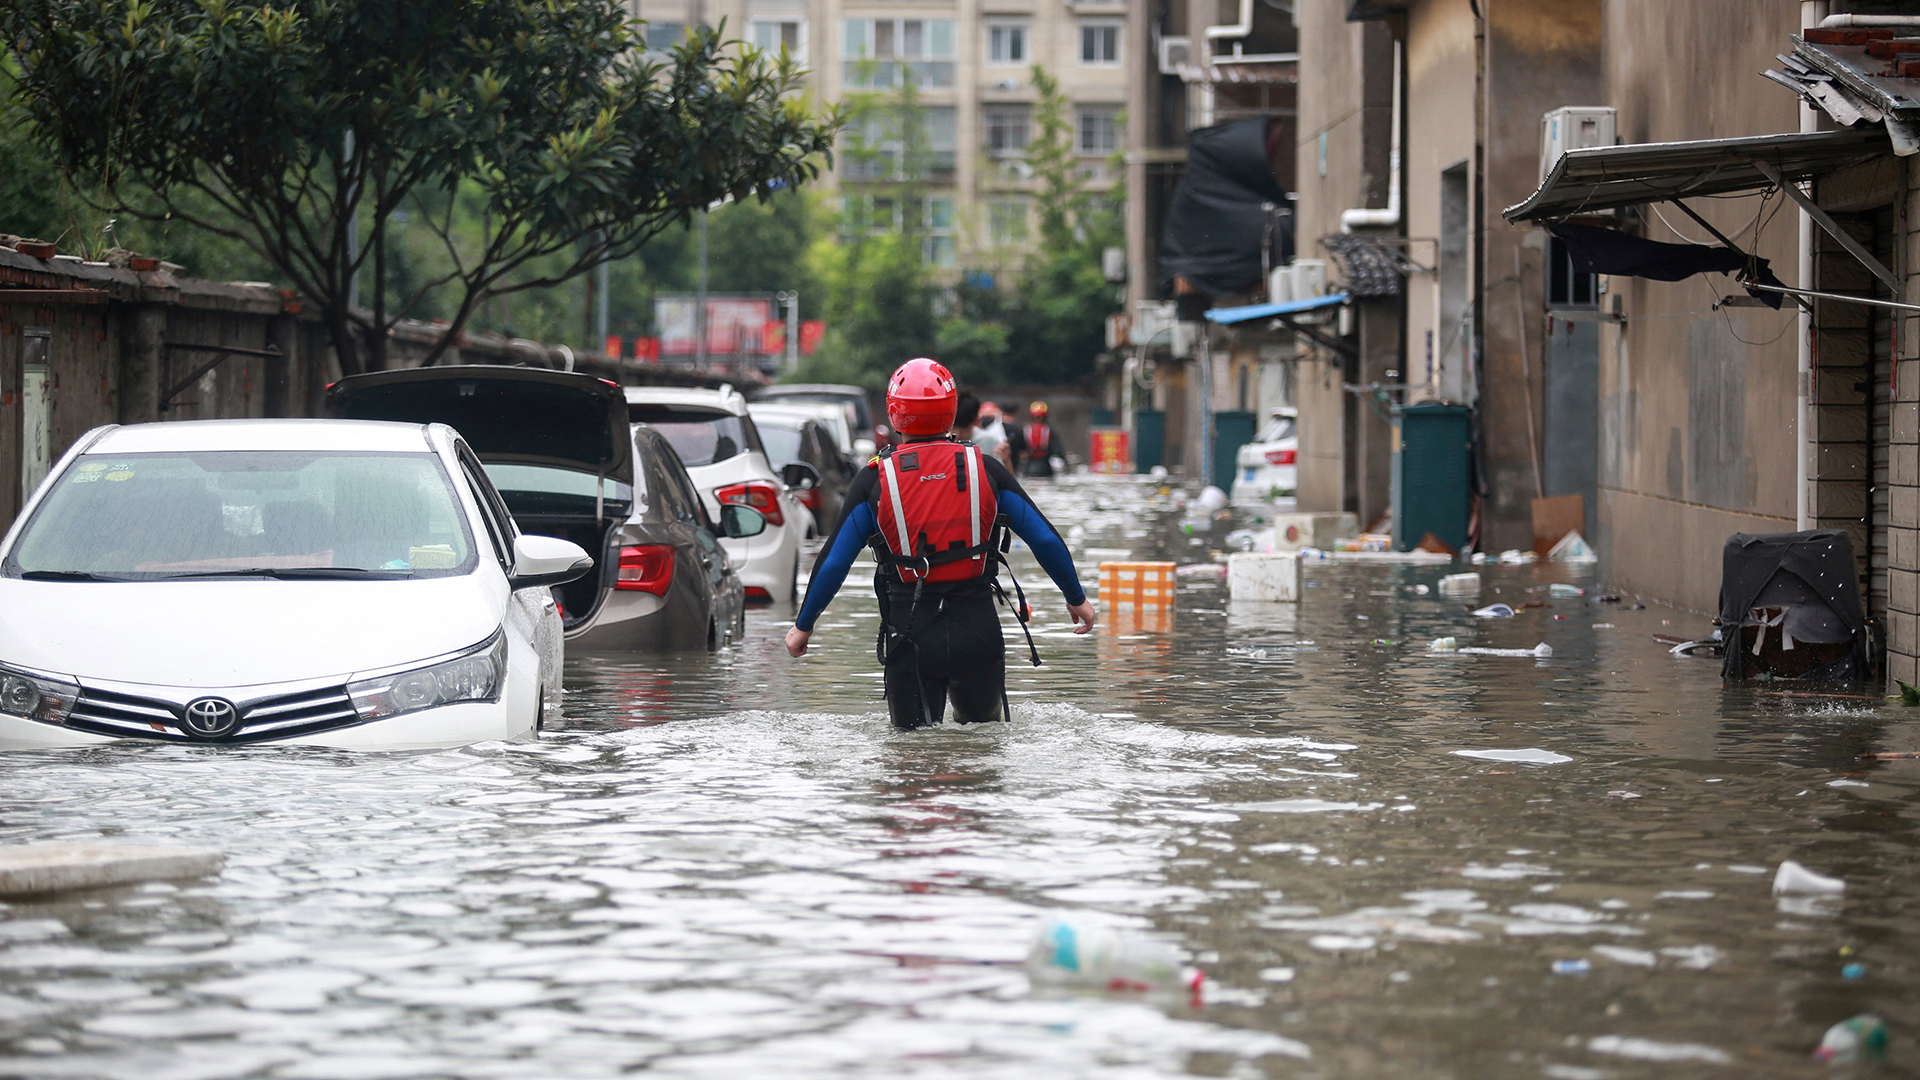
(1139, 585)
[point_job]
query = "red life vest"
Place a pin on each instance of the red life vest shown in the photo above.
(1039, 439)
(937, 512)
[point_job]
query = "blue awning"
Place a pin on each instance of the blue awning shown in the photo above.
(1268, 311)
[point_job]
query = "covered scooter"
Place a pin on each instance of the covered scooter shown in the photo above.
(1790, 607)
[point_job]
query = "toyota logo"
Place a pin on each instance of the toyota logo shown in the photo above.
(212, 717)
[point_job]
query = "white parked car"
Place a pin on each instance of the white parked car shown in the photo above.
(1266, 467)
(321, 582)
(720, 446)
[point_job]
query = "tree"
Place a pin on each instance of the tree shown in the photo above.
(531, 139)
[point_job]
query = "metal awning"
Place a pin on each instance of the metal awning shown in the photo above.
(1231, 315)
(1608, 177)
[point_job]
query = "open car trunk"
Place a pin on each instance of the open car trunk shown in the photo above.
(557, 445)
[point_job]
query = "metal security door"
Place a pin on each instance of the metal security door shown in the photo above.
(36, 411)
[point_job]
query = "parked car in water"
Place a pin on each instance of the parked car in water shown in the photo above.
(867, 434)
(804, 433)
(568, 464)
(720, 445)
(1265, 468)
(338, 584)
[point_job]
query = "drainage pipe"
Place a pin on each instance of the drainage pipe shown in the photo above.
(1365, 218)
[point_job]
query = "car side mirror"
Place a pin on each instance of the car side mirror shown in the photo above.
(863, 449)
(800, 476)
(547, 560)
(738, 522)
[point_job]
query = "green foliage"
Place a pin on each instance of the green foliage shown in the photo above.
(525, 140)
(878, 307)
(1051, 154)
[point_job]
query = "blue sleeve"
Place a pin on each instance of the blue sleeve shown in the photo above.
(1038, 532)
(831, 571)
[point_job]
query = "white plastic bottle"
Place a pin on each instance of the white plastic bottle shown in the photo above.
(1073, 952)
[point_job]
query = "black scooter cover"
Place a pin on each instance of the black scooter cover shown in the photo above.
(1811, 574)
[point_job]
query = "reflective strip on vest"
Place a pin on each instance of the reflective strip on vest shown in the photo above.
(899, 512)
(973, 488)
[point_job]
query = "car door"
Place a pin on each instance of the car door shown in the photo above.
(721, 581)
(531, 613)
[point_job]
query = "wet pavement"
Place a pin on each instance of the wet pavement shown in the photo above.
(733, 867)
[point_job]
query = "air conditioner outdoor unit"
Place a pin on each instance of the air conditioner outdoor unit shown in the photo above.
(1574, 127)
(1174, 52)
(1309, 278)
(1153, 324)
(1280, 285)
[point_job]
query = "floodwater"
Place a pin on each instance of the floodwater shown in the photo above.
(734, 868)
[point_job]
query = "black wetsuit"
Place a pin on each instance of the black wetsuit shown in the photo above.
(954, 640)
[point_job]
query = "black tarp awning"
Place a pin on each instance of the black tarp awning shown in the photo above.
(1606, 251)
(1228, 205)
(1602, 178)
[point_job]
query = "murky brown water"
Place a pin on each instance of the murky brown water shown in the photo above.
(734, 868)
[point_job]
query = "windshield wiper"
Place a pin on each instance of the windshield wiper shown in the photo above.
(67, 575)
(294, 573)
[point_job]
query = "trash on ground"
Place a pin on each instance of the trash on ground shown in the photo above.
(1607, 599)
(1541, 651)
(1254, 575)
(1517, 557)
(1444, 644)
(1562, 590)
(1458, 584)
(1851, 972)
(1794, 878)
(1603, 626)
(1211, 499)
(57, 866)
(1857, 1038)
(1711, 647)
(1072, 952)
(1494, 611)
(1891, 755)
(1572, 967)
(1529, 756)
(1204, 571)
(1572, 548)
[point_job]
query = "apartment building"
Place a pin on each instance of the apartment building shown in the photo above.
(970, 63)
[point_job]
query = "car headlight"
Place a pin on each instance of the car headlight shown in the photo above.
(475, 675)
(36, 697)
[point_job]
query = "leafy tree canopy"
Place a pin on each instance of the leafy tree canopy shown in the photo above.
(292, 126)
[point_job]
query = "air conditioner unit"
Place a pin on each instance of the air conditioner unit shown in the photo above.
(1153, 323)
(1309, 278)
(1574, 127)
(1174, 53)
(1280, 285)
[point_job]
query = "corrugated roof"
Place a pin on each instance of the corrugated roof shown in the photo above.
(1229, 315)
(1608, 177)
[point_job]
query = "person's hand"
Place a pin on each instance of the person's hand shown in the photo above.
(797, 641)
(1083, 616)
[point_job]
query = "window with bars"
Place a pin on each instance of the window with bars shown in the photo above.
(1007, 43)
(1006, 221)
(880, 52)
(1099, 130)
(875, 145)
(662, 36)
(1099, 42)
(1007, 129)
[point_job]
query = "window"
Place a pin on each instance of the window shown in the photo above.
(940, 246)
(1006, 43)
(662, 36)
(1006, 222)
(1007, 130)
(876, 148)
(1099, 42)
(878, 50)
(1099, 130)
(774, 35)
(699, 436)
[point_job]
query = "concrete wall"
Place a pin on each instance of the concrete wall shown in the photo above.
(1696, 424)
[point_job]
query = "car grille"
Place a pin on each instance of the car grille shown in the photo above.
(128, 716)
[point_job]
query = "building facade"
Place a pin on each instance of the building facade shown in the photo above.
(970, 62)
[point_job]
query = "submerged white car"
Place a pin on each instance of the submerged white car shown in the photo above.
(1265, 468)
(323, 582)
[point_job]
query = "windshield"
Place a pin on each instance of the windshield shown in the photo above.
(542, 489)
(150, 516)
(783, 444)
(699, 436)
(1277, 428)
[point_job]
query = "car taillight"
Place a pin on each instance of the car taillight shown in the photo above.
(757, 595)
(1279, 457)
(646, 568)
(760, 495)
(810, 499)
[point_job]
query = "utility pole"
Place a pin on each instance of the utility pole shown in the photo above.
(791, 299)
(602, 277)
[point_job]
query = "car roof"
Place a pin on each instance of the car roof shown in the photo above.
(173, 436)
(815, 413)
(725, 397)
(782, 389)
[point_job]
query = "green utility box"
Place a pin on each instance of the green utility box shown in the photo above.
(1231, 431)
(1432, 474)
(1149, 439)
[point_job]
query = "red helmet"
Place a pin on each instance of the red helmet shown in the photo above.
(921, 398)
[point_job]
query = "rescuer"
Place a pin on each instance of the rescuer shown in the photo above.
(1039, 441)
(935, 511)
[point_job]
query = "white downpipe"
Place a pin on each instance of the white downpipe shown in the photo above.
(1833, 22)
(1812, 13)
(1241, 29)
(1362, 217)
